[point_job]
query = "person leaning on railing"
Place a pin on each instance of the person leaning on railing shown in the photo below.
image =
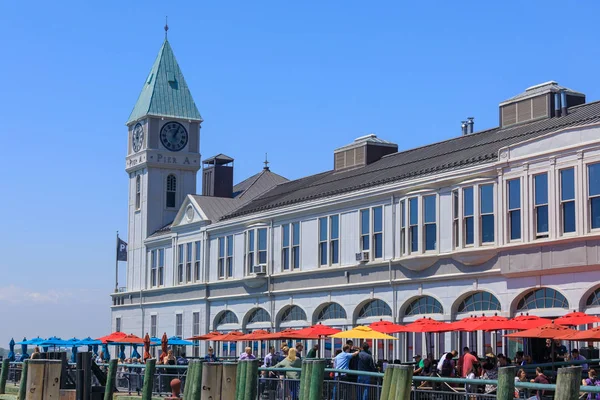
(592, 380)
(291, 361)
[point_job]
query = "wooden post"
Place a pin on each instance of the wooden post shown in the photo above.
(240, 380)
(52, 379)
(404, 382)
(568, 382)
(149, 379)
(394, 384)
(4, 375)
(23, 383)
(228, 383)
(86, 373)
(111, 379)
(305, 376)
(193, 383)
(316, 379)
(251, 379)
(506, 383)
(43, 380)
(387, 381)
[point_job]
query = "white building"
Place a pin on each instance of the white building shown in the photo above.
(503, 221)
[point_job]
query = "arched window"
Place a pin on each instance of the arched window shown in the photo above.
(479, 301)
(594, 299)
(227, 317)
(293, 313)
(542, 298)
(375, 308)
(259, 315)
(171, 190)
(424, 305)
(138, 192)
(331, 311)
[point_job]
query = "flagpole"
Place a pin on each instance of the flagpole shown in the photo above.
(117, 265)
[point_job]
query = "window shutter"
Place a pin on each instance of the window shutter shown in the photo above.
(339, 160)
(359, 155)
(524, 110)
(540, 106)
(509, 114)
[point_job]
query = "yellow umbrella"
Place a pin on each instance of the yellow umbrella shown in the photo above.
(361, 332)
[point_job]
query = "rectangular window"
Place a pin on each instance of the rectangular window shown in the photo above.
(323, 234)
(161, 267)
(429, 222)
(188, 262)
(196, 332)
(514, 208)
(296, 245)
(486, 207)
(138, 191)
(567, 199)
(377, 232)
(468, 222)
(153, 328)
(413, 222)
(153, 271)
(118, 324)
(291, 241)
(229, 261)
(402, 228)
(540, 189)
(221, 261)
(285, 248)
(250, 250)
(365, 224)
(262, 246)
(455, 219)
(197, 260)
(179, 325)
(334, 239)
(594, 195)
(180, 264)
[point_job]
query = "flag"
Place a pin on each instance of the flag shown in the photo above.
(121, 250)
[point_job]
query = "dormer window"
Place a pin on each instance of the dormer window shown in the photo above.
(171, 191)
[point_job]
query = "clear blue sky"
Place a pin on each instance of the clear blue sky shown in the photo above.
(294, 79)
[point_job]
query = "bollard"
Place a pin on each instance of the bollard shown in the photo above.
(211, 381)
(251, 389)
(193, 383)
(23, 383)
(111, 379)
(394, 384)
(403, 381)
(506, 383)
(4, 375)
(568, 381)
(305, 376)
(149, 379)
(228, 383)
(387, 381)
(316, 379)
(43, 379)
(240, 380)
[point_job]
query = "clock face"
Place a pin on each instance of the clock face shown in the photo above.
(137, 137)
(173, 136)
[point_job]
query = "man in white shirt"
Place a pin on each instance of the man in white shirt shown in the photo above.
(442, 358)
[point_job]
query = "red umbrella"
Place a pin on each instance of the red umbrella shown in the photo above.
(128, 339)
(591, 335)
(256, 335)
(228, 337)
(387, 327)
(428, 325)
(164, 345)
(207, 336)
(576, 318)
(146, 347)
(287, 334)
(489, 324)
(315, 330)
(112, 337)
(549, 331)
(465, 324)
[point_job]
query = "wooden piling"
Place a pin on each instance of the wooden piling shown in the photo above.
(316, 379)
(23, 382)
(149, 379)
(387, 381)
(193, 383)
(4, 375)
(506, 383)
(568, 382)
(240, 380)
(404, 381)
(43, 380)
(305, 376)
(111, 379)
(251, 389)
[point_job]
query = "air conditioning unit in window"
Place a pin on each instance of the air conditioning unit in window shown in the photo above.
(260, 269)
(362, 257)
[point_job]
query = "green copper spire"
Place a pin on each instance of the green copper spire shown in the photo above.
(165, 93)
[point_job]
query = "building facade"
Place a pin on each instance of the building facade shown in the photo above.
(503, 221)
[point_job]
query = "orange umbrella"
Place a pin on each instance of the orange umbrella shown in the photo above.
(387, 327)
(591, 335)
(146, 347)
(464, 323)
(576, 318)
(228, 337)
(548, 331)
(315, 330)
(428, 325)
(164, 345)
(286, 334)
(489, 323)
(255, 335)
(128, 339)
(207, 336)
(112, 337)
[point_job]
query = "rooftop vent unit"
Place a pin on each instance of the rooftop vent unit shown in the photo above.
(545, 100)
(363, 151)
(217, 177)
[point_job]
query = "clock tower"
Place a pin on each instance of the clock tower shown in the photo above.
(163, 156)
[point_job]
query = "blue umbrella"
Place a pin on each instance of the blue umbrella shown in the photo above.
(55, 342)
(31, 342)
(155, 341)
(24, 355)
(88, 341)
(105, 352)
(134, 353)
(95, 349)
(122, 355)
(175, 341)
(11, 347)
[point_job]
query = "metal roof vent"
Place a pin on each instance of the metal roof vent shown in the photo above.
(538, 102)
(363, 151)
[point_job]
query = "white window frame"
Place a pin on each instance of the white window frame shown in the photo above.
(561, 202)
(180, 272)
(252, 252)
(424, 224)
(138, 192)
(465, 217)
(179, 325)
(157, 267)
(402, 227)
(412, 225)
(456, 231)
(370, 236)
(482, 214)
(288, 252)
(118, 324)
(196, 332)
(189, 249)
(154, 325)
(589, 197)
(510, 211)
(197, 259)
(329, 243)
(540, 235)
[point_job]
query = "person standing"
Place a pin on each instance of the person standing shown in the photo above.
(299, 349)
(291, 361)
(443, 358)
(468, 361)
(342, 361)
(268, 377)
(539, 378)
(575, 356)
(312, 353)
(247, 355)
(461, 361)
(365, 364)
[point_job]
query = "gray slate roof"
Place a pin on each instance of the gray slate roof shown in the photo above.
(477, 148)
